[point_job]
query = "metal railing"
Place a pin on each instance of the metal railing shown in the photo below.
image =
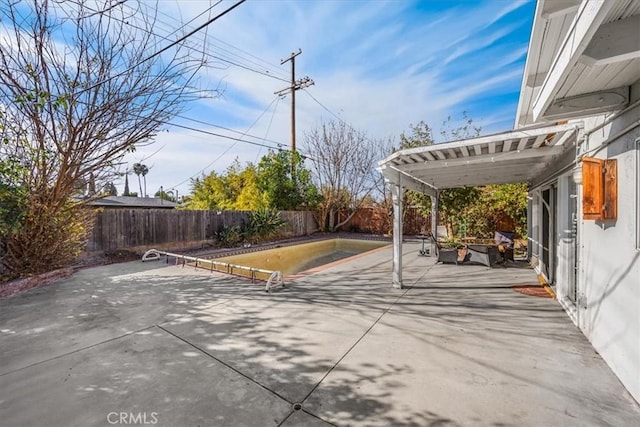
(276, 279)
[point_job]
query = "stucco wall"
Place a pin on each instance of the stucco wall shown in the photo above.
(607, 307)
(609, 272)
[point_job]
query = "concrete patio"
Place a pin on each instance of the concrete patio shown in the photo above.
(173, 346)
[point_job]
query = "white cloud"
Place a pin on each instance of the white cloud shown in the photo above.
(379, 65)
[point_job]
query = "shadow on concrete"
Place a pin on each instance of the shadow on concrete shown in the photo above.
(455, 347)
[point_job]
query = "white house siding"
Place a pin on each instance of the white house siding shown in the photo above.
(606, 304)
(610, 261)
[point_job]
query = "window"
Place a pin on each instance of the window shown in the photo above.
(600, 189)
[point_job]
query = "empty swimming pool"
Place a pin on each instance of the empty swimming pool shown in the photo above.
(297, 258)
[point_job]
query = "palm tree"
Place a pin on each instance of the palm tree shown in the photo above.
(144, 172)
(141, 169)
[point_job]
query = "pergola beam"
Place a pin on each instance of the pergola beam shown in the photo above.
(477, 142)
(484, 159)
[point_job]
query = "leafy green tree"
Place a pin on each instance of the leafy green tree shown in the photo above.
(454, 204)
(467, 129)
(421, 135)
(13, 197)
(246, 194)
(286, 182)
(512, 200)
(110, 189)
(495, 204)
(236, 189)
(161, 194)
(270, 185)
(207, 192)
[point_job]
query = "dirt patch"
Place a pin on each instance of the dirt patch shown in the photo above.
(109, 257)
(26, 283)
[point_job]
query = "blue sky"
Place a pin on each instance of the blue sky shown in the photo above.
(379, 65)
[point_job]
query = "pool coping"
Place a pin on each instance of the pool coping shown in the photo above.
(294, 242)
(226, 252)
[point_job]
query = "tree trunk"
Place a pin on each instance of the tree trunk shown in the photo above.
(341, 223)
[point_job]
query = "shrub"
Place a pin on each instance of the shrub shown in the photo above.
(230, 236)
(264, 223)
(46, 237)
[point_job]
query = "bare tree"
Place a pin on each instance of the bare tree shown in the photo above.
(79, 88)
(344, 161)
(381, 192)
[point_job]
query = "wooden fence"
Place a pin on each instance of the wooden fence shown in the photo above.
(139, 229)
(379, 221)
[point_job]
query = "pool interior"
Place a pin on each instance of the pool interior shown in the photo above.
(302, 257)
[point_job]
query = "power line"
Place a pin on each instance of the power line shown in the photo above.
(231, 146)
(190, 33)
(268, 129)
(202, 41)
(262, 62)
(336, 116)
(233, 138)
(207, 10)
(326, 108)
(169, 46)
(270, 65)
(202, 122)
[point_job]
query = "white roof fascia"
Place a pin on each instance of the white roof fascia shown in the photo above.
(496, 137)
(534, 43)
(556, 8)
(590, 16)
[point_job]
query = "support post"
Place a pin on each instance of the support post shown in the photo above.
(434, 220)
(396, 197)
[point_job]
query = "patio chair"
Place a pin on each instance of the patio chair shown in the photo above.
(447, 255)
(483, 254)
(505, 242)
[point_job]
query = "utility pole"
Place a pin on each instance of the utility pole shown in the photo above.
(295, 85)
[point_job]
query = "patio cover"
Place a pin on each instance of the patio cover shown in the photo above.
(507, 157)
